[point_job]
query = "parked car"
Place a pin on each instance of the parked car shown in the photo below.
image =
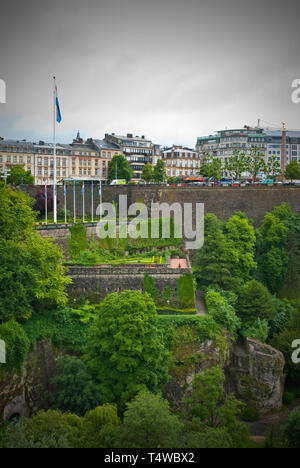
(244, 183)
(225, 181)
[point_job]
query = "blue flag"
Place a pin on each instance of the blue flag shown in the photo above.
(82, 190)
(58, 114)
(64, 190)
(100, 190)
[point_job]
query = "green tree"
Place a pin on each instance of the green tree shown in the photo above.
(147, 172)
(255, 162)
(75, 390)
(119, 168)
(258, 330)
(222, 311)
(159, 173)
(31, 273)
(292, 428)
(125, 350)
(211, 167)
(240, 235)
(212, 407)
(236, 165)
(271, 249)
(186, 291)
(19, 176)
(149, 287)
(78, 240)
(51, 429)
(148, 423)
(213, 265)
(100, 427)
(273, 168)
(292, 171)
(16, 216)
(254, 301)
(17, 345)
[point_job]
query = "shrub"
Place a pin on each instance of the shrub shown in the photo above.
(77, 241)
(149, 287)
(250, 414)
(186, 291)
(288, 398)
(61, 214)
(292, 428)
(17, 345)
(75, 390)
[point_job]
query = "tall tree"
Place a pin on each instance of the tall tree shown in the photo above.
(241, 239)
(273, 168)
(211, 167)
(255, 162)
(119, 168)
(75, 390)
(271, 248)
(292, 171)
(147, 172)
(159, 173)
(236, 165)
(213, 263)
(149, 423)
(125, 350)
(31, 270)
(18, 176)
(254, 301)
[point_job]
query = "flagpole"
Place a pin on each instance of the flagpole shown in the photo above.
(46, 204)
(74, 202)
(92, 202)
(65, 192)
(100, 196)
(54, 154)
(83, 201)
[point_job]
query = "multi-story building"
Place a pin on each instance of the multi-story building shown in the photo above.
(16, 152)
(181, 161)
(275, 145)
(137, 150)
(78, 160)
(225, 142)
(107, 150)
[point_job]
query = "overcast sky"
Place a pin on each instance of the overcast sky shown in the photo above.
(168, 69)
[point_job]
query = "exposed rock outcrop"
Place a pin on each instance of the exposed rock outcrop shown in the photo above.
(26, 394)
(254, 371)
(255, 374)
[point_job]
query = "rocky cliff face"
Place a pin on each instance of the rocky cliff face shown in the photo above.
(25, 394)
(254, 372)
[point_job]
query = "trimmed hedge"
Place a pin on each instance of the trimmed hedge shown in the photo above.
(165, 310)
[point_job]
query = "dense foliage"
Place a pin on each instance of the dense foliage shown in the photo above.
(125, 351)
